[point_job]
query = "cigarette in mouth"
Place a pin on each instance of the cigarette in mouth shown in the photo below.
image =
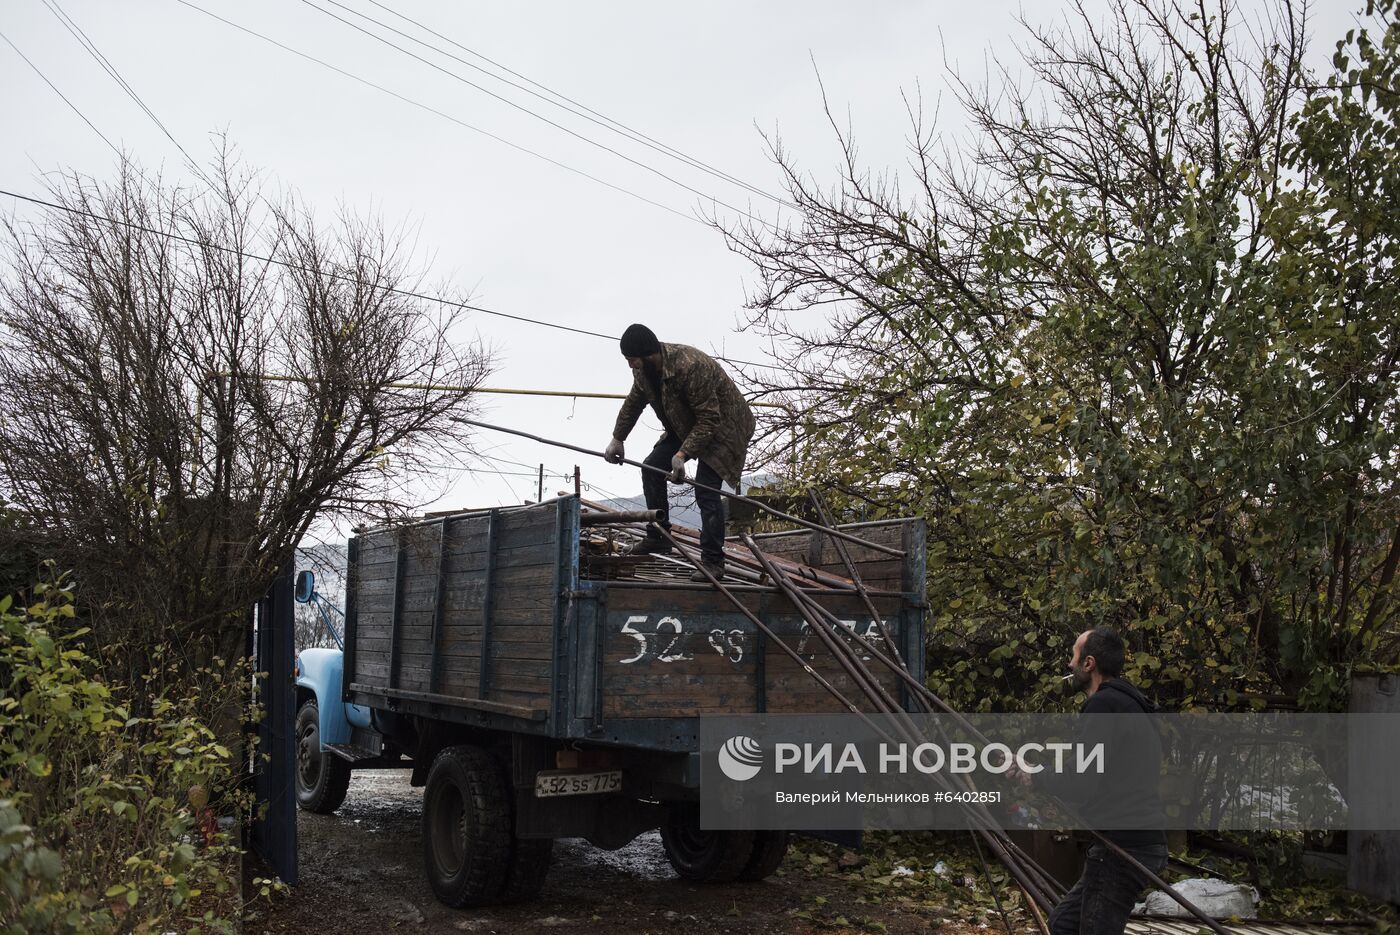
(1066, 678)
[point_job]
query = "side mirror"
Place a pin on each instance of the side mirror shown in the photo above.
(306, 586)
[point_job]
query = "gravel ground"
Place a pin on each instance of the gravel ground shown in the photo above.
(361, 873)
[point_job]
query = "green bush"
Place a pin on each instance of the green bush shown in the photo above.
(102, 815)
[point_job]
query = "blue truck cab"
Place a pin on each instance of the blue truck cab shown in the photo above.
(327, 727)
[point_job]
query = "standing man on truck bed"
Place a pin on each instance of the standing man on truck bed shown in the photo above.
(706, 418)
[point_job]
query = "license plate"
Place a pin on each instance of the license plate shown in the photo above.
(569, 782)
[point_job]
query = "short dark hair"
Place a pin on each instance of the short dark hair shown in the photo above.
(1106, 646)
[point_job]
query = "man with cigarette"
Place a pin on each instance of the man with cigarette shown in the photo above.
(1123, 802)
(706, 419)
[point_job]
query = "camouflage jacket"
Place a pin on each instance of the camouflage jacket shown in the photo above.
(701, 403)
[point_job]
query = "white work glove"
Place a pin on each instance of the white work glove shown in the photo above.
(678, 468)
(613, 452)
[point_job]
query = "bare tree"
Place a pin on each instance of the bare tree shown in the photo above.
(188, 379)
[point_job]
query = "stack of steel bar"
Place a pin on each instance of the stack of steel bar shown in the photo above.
(1040, 889)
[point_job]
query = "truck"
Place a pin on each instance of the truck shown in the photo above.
(540, 685)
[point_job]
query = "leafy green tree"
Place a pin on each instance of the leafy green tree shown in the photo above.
(1133, 354)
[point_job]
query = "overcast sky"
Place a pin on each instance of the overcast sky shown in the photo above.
(524, 236)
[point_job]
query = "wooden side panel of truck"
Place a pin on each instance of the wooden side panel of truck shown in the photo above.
(488, 618)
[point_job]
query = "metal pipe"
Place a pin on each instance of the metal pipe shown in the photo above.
(618, 516)
(693, 483)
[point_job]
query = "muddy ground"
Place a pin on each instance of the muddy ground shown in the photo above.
(361, 874)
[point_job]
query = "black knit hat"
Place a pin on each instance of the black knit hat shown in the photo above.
(638, 341)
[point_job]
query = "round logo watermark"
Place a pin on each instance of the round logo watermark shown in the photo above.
(740, 758)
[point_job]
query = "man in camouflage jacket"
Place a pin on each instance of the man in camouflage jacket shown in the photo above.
(706, 418)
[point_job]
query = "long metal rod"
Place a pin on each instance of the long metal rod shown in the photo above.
(610, 517)
(1148, 874)
(693, 483)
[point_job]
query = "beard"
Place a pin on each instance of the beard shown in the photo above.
(1079, 679)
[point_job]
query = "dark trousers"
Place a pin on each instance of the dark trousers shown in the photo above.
(711, 504)
(1099, 904)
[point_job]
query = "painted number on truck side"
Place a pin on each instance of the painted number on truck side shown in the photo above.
(660, 644)
(729, 644)
(663, 641)
(810, 642)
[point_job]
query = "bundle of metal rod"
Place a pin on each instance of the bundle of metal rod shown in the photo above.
(807, 524)
(1032, 880)
(1043, 890)
(1037, 885)
(741, 557)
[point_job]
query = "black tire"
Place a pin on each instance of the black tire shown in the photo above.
(529, 865)
(322, 778)
(704, 856)
(466, 827)
(769, 849)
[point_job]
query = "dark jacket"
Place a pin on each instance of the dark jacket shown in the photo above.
(1123, 803)
(700, 404)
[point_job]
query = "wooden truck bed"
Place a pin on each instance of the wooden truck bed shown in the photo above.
(502, 618)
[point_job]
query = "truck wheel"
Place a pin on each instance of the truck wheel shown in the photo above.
(322, 778)
(704, 856)
(769, 849)
(529, 865)
(466, 827)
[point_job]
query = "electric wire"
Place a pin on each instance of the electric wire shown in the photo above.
(90, 47)
(54, 87)
(407, 293)
(568, 104)
(439, 113)
(111, 70)
(523, 109)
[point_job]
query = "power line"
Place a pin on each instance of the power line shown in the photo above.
(336, 276)
(71, 105)
(569, 104)
(523, 109)
(77, 32)
(439, 113)
(293, 266)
